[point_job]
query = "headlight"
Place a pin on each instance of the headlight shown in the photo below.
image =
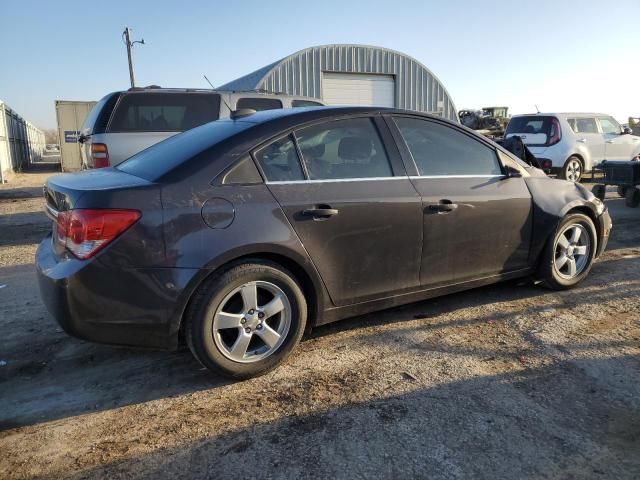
(599, 205)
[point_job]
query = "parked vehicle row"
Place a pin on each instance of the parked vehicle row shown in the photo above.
(238, 234)
(124, 123)
(572, 144)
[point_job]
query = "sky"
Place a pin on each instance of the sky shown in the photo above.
(561, 55)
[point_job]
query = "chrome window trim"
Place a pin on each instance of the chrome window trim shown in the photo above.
(338, 180)
(416, 177)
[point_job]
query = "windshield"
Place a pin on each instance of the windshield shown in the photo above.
(157, 160)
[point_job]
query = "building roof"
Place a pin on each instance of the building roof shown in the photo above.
(301, 73)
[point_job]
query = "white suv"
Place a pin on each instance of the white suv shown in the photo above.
(570, 144)
(123, 123)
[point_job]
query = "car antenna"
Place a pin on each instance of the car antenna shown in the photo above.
(205, 77)
(537, 109)
(231, 111)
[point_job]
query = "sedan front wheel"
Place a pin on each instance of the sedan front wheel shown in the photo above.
(569, 254)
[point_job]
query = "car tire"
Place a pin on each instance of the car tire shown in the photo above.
(632, 197)
(573, 169)
(622, 191)
(263, 339)
(599, 191)
(556, 271)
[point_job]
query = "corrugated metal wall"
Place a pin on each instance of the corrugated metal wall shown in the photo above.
(21, 142)
(416, 87)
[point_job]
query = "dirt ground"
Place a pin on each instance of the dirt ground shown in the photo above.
(508, 381)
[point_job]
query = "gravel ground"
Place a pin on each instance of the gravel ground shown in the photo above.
(508, 381)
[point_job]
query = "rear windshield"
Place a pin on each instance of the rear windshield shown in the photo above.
(532, 125)
(159, 159)
(164, 112)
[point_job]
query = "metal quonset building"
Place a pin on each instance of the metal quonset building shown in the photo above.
(354, 75)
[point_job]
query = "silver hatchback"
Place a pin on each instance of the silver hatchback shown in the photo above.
(571, 144)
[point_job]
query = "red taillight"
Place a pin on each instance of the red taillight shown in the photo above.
(100, 155)
(556, 134)
(85, 231)
(546, 164)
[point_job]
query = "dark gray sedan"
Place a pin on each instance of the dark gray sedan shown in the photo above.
(240, 234)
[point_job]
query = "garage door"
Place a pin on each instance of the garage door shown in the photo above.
(358, 89)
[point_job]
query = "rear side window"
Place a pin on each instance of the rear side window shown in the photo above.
(164, 112)
(279, 161)
(305, 103)
(439, 150)
(584, 125)
(344, 149)
(259, 104)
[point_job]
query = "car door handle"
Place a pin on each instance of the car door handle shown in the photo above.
(443, 207)
(321, 212)
(582, 140)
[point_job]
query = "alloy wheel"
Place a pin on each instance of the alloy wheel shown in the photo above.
(252, 322)
(572, 251)
(573, 170)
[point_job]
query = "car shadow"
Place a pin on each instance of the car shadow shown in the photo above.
(567, 420)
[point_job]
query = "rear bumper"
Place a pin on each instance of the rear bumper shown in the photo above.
(135, 307)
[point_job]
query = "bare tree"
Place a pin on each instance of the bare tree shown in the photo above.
(51, 136)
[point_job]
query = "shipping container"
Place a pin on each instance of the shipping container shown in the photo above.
(21, 142)
(71, 115)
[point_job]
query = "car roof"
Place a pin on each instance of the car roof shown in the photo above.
(153, 89)
(293, 116)
(563, 114)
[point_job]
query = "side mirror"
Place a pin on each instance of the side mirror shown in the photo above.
(627, 131)
(511, 172)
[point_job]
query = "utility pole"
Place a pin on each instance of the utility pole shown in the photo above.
(127, 41)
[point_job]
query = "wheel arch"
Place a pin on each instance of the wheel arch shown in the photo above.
(304, 273)
(584, 158)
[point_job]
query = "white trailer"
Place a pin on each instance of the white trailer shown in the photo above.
(71, 115)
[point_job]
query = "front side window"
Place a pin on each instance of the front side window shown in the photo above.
(609, 125)
(259, 104)
(439, 150)
(586, 125)
(279, 161)
(164, 112)
(344, 149)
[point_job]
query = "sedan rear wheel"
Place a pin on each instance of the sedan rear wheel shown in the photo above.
(252, 321)
(573, 169)
(569, 254)
(246, 320)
